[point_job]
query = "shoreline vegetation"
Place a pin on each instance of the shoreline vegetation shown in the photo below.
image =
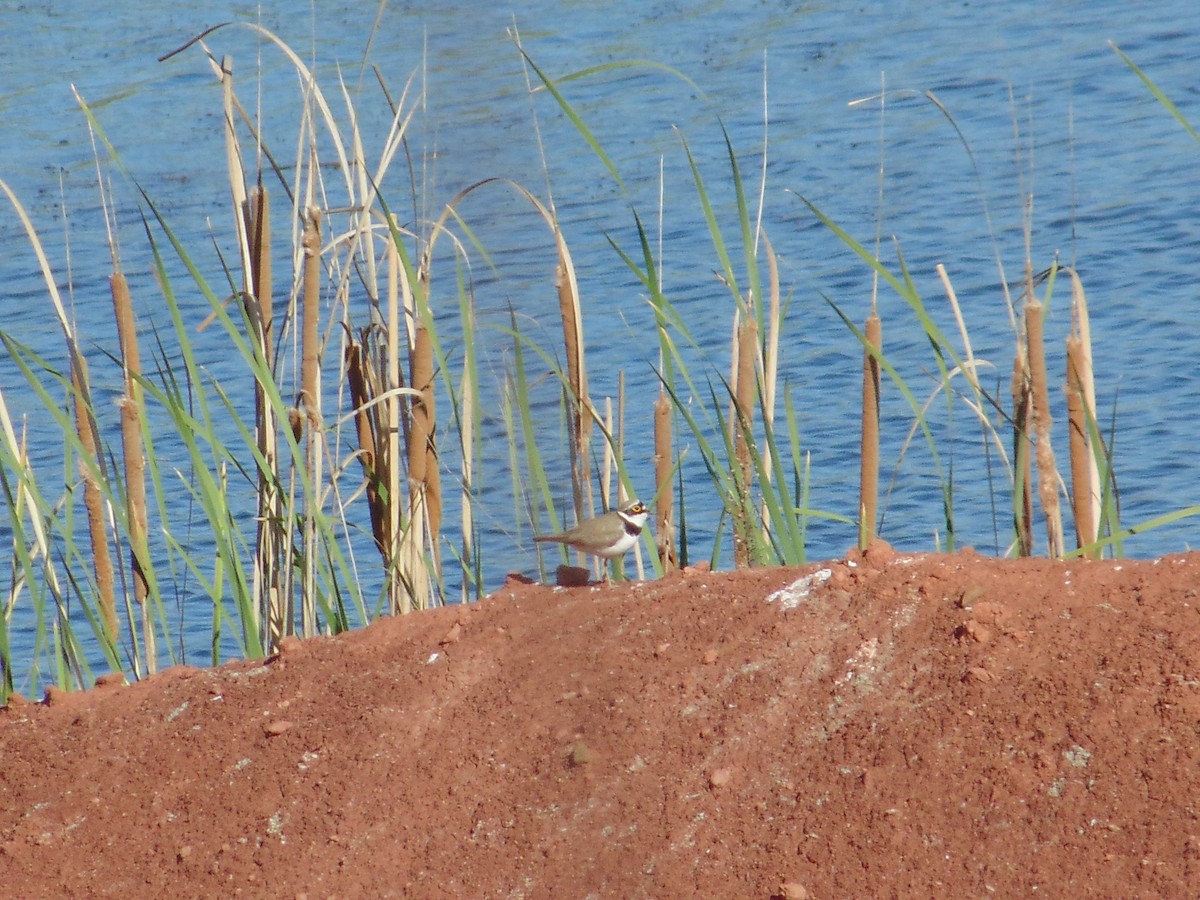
(346, 488)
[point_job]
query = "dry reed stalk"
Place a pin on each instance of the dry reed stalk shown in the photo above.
(270, 539)
(134, 456)
(310, 404)
(424, 512)
(19, 451)
(399, 597)
(664, 532)
(93, 500)
(601, 567)
(252, 225)
(771, 356)
(608, 459)
(1080, 446)
(233, 158)
(616, 431)
(413, 571)
(970, 369)
(310, 358)
(1023, 470)
(467, 470)
(1046, 468)
(257, 211)
(770, 365)
(745, 388)
(868, 482)
(1081, 327)
(623, 498)
(581, 418)
(584, 412)
(620, 432)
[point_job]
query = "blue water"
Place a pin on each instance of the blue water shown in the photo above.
(1046, 106)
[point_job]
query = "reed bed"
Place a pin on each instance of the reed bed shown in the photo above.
(347, 484)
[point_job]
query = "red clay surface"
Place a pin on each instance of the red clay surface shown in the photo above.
(948, 726)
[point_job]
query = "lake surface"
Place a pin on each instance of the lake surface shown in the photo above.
(1045, 105)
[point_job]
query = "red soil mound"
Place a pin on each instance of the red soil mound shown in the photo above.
(935, 726)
